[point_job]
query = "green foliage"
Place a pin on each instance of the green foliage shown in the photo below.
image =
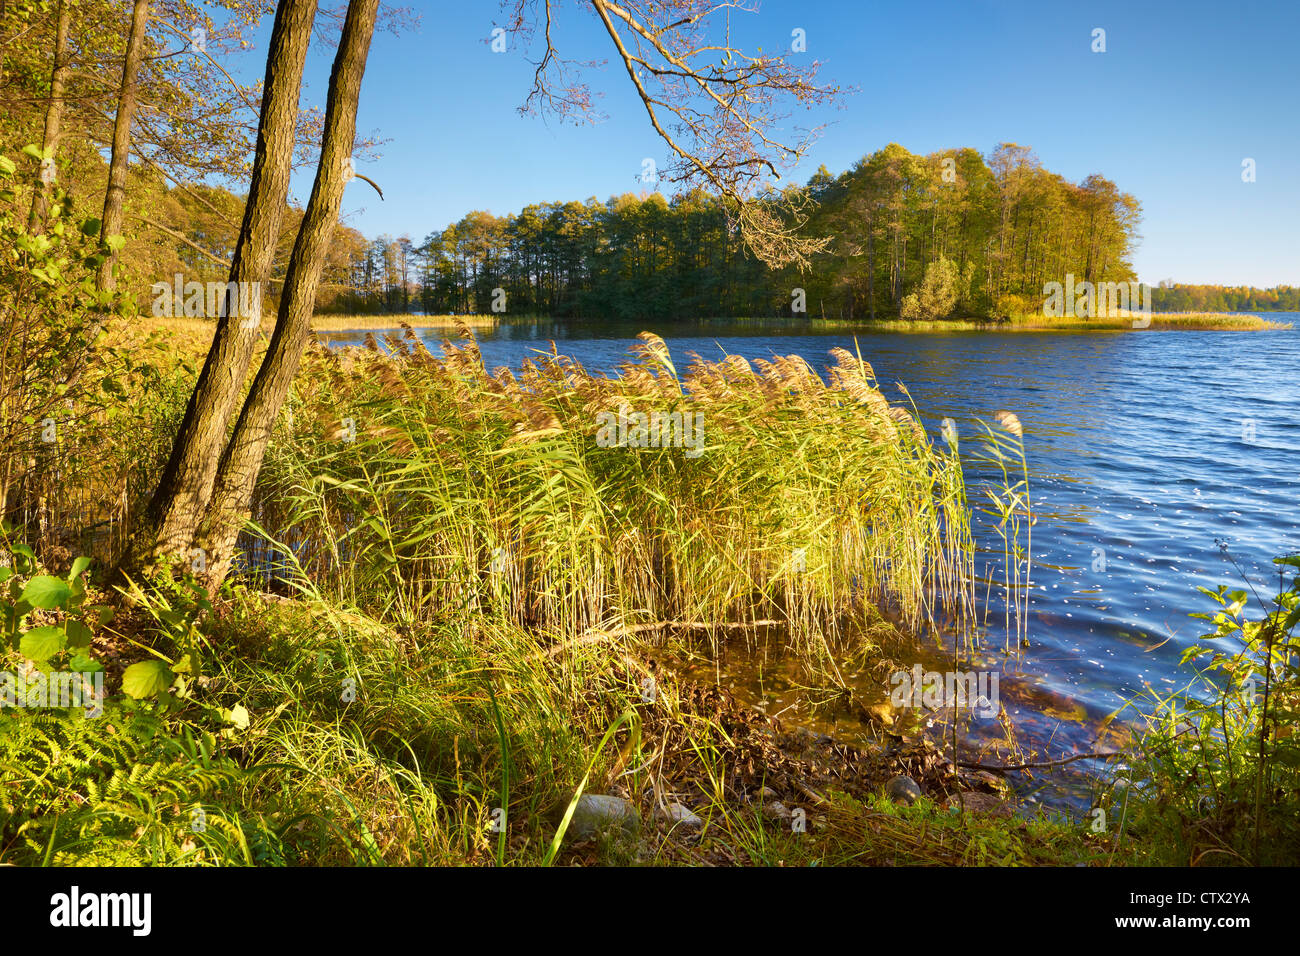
(118, 790)
(1218, 772)
(939, 292)
(1010, 305)
(465, 490)
(147, 679)
(50, 316)
(24, 591)
(925, 234)
(1178, 297)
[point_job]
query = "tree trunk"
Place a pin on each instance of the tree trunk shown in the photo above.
(237, 475)
(53, 116)
(170, 524)
(115, 195)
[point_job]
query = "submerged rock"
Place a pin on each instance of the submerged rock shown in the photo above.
(903, 790)
(596, 813)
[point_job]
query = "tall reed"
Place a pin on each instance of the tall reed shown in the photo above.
(427, 487)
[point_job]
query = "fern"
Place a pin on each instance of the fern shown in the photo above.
(112, 789)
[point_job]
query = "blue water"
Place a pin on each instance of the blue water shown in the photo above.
(1144, 448)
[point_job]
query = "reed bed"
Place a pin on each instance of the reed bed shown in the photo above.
(423, 488)
(343, 323)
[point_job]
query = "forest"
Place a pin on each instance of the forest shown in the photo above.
(993, 229)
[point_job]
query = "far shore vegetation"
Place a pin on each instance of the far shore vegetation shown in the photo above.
(1016, 323)
(200, 330)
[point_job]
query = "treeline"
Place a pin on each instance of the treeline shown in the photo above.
(953, 231)
(1173, 297)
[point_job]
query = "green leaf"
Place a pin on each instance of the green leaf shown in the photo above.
(90, 227)
(79, 635)
(79, 565)
(146, 679)
(41, 643)
(84, 665)
(7, 165)
(33, 151)
(1292, 620)
(46, 592)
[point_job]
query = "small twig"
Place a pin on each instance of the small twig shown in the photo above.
(813, 795)
(373, 183)
(183, 239)
(1100, 754)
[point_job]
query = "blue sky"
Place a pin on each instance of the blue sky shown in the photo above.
(1184, 92)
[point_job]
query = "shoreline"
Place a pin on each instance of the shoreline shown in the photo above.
(196, 333)
(1160, 321)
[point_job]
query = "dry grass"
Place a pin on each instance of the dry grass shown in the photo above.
(345, 323)
(195, 334)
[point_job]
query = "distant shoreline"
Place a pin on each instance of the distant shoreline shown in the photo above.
(1210, 321)
(197, 332)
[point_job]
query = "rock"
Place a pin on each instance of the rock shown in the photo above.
(883, 713)
(903, 790)
(596, 813)
(777, 811)
(991, 780)
(677, 815)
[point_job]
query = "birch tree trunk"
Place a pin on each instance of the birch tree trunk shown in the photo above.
(53, 116)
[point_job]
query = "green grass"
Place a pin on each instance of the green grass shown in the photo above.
(410, 770)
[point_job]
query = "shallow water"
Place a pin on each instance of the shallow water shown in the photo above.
(1144, 448)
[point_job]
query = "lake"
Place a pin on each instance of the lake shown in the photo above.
(1144, 447)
